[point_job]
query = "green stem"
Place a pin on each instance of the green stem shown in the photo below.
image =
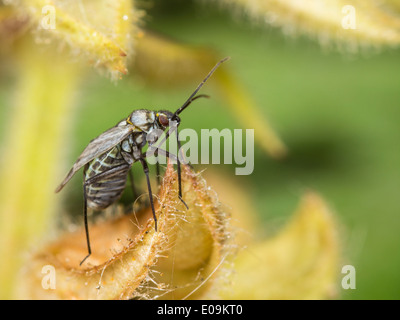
(31, 154)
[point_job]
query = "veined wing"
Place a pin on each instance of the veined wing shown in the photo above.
(104, 142)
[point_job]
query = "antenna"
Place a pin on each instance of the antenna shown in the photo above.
(191, 98)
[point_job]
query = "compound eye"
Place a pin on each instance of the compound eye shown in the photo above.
(163, 119)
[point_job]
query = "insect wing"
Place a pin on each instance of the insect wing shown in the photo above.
(96, 147)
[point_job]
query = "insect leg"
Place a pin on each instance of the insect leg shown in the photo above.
(177, 157)
(89, 181)
(146, 172)
(179, 169)
(157, 168)
(174, 157)
(86, 223)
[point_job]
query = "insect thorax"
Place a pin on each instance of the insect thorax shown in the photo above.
(143, 119)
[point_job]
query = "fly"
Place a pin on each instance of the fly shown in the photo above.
(107, 159)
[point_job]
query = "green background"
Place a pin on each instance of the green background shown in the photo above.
(338, 114)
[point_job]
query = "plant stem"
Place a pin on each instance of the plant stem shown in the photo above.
(35, 137)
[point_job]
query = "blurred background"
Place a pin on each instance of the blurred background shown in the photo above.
(337, 113)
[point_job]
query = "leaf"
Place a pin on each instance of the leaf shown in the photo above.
(300, 262)
(376, 22)
(130, 259)
(103, 31)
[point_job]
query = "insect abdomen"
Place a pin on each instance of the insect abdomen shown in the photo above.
(102, 194)
(106, 190)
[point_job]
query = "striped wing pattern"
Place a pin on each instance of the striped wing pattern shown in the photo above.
(97, 147)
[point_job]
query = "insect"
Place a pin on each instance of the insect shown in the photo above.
(107, 159)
